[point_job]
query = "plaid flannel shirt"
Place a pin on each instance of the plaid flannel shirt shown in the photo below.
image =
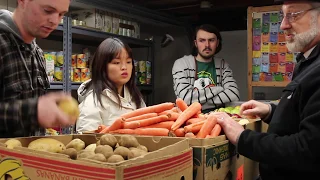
(22, 80)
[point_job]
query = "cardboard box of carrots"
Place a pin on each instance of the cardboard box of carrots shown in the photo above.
(213, 155)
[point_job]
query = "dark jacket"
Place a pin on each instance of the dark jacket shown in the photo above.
(22, 80)
(291, 147)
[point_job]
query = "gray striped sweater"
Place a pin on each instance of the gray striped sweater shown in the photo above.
(226, 89)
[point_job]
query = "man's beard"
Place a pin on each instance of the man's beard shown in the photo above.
(302, 40)
(205, 56)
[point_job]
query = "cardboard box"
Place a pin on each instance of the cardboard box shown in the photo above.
(215, 158)
(169, 159)
(108, 23)
(251, 168)
(94, 18)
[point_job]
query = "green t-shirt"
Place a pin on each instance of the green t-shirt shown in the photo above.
(206, 76)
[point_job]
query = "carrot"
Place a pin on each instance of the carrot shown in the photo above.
(175, 109)
(179, 132)
(100, 128)
(165, 112)
(215, 131)
(117, 124)
(165, 124)
(186, 114)
(207, 126)
(143, 116)
(143, 131)
(194, 120)
(150, 109)
(181, 104)
(145, 122)
(173, 116)
(194, 128)
(105, 130)
(190, 135)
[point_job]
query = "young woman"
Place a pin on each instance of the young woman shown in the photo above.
(111, 91)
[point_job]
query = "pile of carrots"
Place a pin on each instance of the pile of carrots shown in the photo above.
(166, 119)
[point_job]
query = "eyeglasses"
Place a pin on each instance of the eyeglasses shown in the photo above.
(292, 17)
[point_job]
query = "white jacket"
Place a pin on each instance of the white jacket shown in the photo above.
(92, 114)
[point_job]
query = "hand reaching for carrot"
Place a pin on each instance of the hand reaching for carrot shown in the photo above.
(231, 128)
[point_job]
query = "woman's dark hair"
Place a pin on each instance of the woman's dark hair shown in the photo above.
(211, 29)
(108, 50)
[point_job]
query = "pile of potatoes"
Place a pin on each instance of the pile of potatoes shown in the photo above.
(107, 149)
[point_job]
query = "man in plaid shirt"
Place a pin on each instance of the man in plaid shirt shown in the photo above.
(24, 108)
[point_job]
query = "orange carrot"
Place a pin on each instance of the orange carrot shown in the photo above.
(186, 114)
(215, 131)
(179, 132)
(150, 109)
(165, 124)
(181, 104)
(117, 124)
(100, 128)
(165, 112)
(145, 122)
(143, 131)
(207, 126)
(143, 116)
(190, 135)
(173, 116)
(175, 109)
(105, 130)
(194, 120)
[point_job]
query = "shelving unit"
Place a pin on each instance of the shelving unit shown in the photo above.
(89, 36)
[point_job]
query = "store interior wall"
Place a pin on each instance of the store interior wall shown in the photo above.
(234, 51)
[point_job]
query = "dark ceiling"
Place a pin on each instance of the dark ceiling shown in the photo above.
(225, 14)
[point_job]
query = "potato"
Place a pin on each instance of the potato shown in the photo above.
(128, 141)
(71, 152)
(96, 157)
(108, 139)
(115, 158)
(136, 153)
(106, 150)
(47, 144)
(122, 151)
(84, 154)
(143, 148)
(12, 143)
(70, 107)
(77, 143)
(91, 147)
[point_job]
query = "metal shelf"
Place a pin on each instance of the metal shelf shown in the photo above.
(80, 33)
(56, 86)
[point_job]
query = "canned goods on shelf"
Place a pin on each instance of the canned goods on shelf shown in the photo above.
(76, 75)
(85, 74)
(58, 73)
(81, 61)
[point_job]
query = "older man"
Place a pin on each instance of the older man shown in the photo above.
(23, 77)
(290, 149)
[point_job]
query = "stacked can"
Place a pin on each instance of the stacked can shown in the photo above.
(148, 72)
(49, 66)
(142, 72)
(58, 69)
(81, 71)
(136, 70)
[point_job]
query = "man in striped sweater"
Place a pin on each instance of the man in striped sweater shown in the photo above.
(205, 78)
